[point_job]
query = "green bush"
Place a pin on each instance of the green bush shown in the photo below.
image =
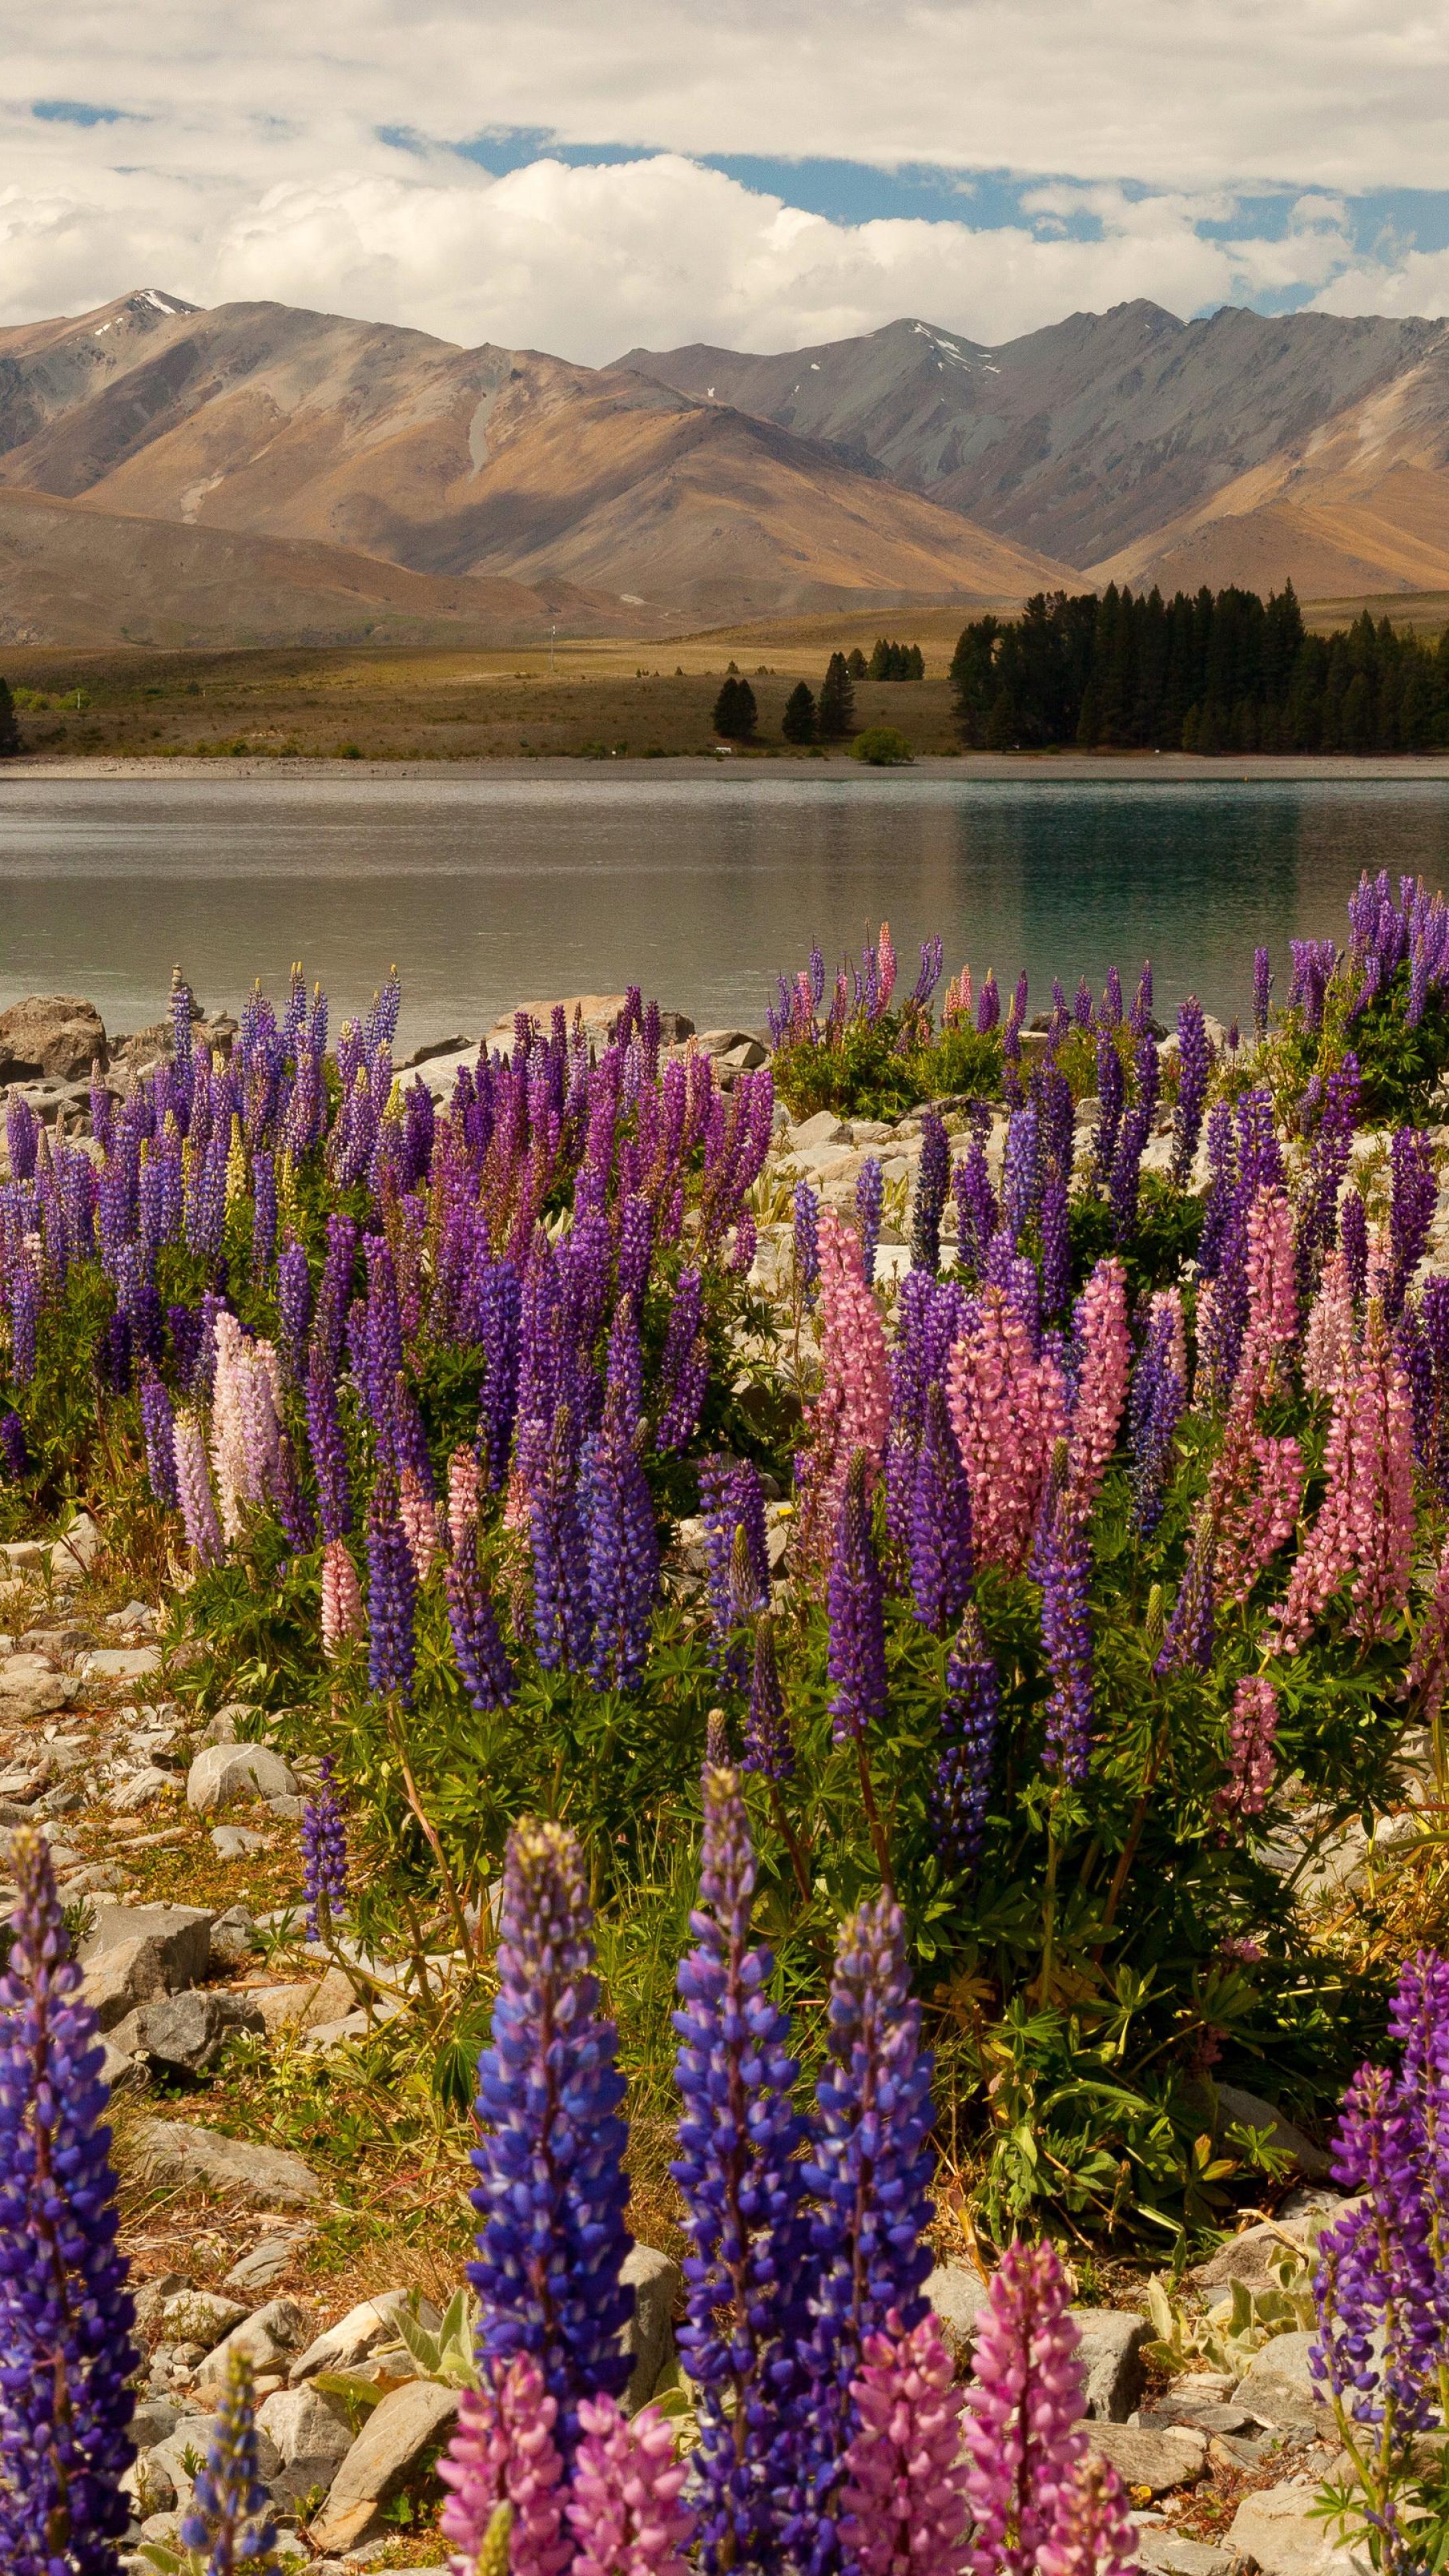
(883, 747)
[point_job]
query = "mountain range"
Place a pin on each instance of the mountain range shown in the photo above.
(255, 472)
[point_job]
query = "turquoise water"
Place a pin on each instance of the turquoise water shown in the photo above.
(696, 884)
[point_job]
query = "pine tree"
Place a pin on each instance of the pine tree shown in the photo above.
(735, 713)
(797, 724)
(836, 712)
(856, 663)
(9, 724)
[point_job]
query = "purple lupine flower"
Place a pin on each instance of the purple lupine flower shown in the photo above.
(229, 2516)
(65, 2314)
(324, 1856)
(768, 1747)
(1020, 1172)
(156, 1423)
(24, 1292)
(740, 2179)
(1142, 1005)
(1159, 1395)
(478, 1647)
(1082, 1006)
(294, 1307)
(1125, 1179)
(14, 1455)
(1111, 1096)
(1023, 2405)
(382, 1353)
(1193, 1625)
(857, 1615)
(988, 1003)
(733, 1504)
(392, 1586)
(1418, 985)
(499, 1316)
(547, 1463)
(193, 1487)
(970, 1722)
(623, 1549)
(329, 1451)
(1112, 1000)
(1353, 1243)
(807, 1242)
(1328, 1162)
(22, 1129)
(870, 2170)
(976, 1209)
(1062, 1565)
(684, 1366)
(933, 1180)
(636, 1245)
(334, 1292)
(1381, 2325)
(551, 2191)
(869, 1191)
(940, 1521)
(1056, 1241)
(1411, 1212)
(1262, 991)
(264, 1212)
(1193, 1059)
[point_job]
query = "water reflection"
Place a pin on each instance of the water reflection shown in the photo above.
(698, 885)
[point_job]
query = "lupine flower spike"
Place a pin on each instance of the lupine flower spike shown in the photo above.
(228, 2516)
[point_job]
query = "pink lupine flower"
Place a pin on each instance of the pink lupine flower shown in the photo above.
(885, 966)
(959, 997)
(1094, 2533)
(1106, 1358)
(463, 1492)
(419, 1516)
(1332, 1334)
(1008, 1411)
(1365, 1523)
(1259, 1517)
(245, 1421)
(1272, 1324)
(904, 2501)
(625, 2507)
(1252, 1763)
(503, 2451)
(853, 1409)
(193, 1489)
(341, 1596)
(1026, 2396)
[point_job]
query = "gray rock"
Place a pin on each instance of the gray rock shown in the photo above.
(1157, 2461)
(288, 1810)
(58, 1034)
(1246, 2257)
(186, 2034)
(29, 1695)
(409, 2422)
(958, 2294)
(268, 2338)
(175, 2151)
(76, 1549)
(180, 1933)
(1110, 2344)
(657, 2282)
(151, 2298)
(222, 1728)
(237, 1842)
(719, 1042)
(149, 2483)
(1169, 2554)
(268, 2260)
(310, 2436)
(173, 2456)
(823, 1129)
(222, 1774)
(119, 1663)
(1277, 2383)
(152, 2419)
(130, 1796)
(364, 2329)
(120, 1979)
(234, 1936)
(1276, 2531)
(121, 2070)
(200, 2316)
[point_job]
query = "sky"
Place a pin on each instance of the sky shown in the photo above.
(584, 176)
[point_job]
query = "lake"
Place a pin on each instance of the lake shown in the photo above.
(697, 884)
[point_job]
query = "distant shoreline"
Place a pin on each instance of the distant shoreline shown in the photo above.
(1065, 768)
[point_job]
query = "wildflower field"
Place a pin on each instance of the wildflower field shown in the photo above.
(937, 1536)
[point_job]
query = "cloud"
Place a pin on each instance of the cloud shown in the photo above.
(265, 151)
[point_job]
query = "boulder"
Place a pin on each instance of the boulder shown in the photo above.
(1157, 2461)
(51, 1033)
(1229, 2106)
(152, 2419)
(322, 1999)
(1277, 2531)
(958, 2294)
(674, 1028)
(1278, 2384)
(1170, 2553)
(185, 2034)
(175, 2151)
(131, 1796)
(269, 2258)
(657, 2282)
(724, 1042)
(233, 1937)
(1110, 2344)
(410, 2422)
(224, 1773)
(120, 1979)
(180, 1934)
(77, 1548)
(268, 2338)
(119, 1663)
(199, 2316)
(364, 2329)
(1246, 2257)
(237, 1842)
(37, 1692)
(121, 2071)
(310, 2437)
(823, 1129)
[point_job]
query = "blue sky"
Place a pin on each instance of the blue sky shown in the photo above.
(581, 177)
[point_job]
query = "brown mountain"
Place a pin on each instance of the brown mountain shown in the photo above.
(1244, 447)
(470, 465)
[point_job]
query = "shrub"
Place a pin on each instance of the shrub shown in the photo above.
(883, 747)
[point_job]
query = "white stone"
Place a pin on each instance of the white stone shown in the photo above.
(222, 1774)
(363, 2330)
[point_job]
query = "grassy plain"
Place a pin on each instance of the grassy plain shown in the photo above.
(579, 697)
